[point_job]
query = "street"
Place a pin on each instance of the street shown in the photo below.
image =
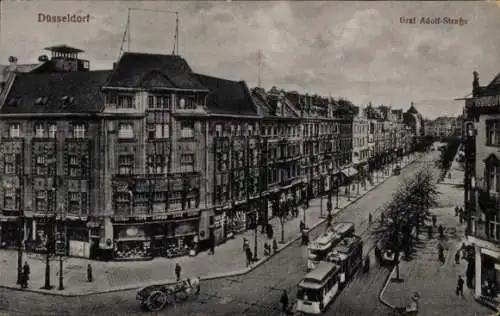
(256, 293)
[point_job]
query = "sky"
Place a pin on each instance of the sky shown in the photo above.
(356, 50)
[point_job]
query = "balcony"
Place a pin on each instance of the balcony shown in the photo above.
(485, 231)
(191, 110)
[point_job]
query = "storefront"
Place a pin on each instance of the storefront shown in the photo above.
(181, 234)
(217, 228)
(131, 242)
(238, 221)
(78, 239)
(9, 233)
(487, 281)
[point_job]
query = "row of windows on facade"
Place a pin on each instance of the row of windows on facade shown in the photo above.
(155, 101)
(78, 130)
(125, 130)
(155, 164)
(45, 200)
(77, 166)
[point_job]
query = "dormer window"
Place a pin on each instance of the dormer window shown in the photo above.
(41, 100)
(67, 100)
(14, 101)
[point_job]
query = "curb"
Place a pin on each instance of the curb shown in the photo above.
(206, 278)
(382, 291)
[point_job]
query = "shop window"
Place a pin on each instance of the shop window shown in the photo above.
(218, 130)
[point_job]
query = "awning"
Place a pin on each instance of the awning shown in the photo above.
(349, 172)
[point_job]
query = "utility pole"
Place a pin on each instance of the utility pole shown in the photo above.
(259, 60)
(62, 247)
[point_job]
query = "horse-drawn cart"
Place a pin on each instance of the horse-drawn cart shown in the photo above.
(156, 297)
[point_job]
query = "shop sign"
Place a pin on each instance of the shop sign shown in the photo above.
(131, 231)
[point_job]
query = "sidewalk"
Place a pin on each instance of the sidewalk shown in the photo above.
(454, 176)
(228, 260)
(433, 281)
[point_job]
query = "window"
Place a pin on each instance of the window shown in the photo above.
(74, 202)
(156, 164)
(10, 201)
(218, 130)
(79, 131)
(126, 130)
(39, 131)
(187, 130)
(15, 130)
(494, 227)
(74, 166)
(187, 159)
(41, 200)
(493, 133)
(159, 102)
(493, 180)
(125, 102)
(125, 163)
(250, 130)
(10, 164)
(41, 165)
(161, 131)
(52, 130)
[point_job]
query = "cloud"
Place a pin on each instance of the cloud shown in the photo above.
(358, 50)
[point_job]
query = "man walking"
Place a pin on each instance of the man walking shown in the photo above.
(284, 302)
(177, 271)
(460, 286)
(25, 275)
(248, 254)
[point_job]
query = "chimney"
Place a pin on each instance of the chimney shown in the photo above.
(13, 63)
(475, 84)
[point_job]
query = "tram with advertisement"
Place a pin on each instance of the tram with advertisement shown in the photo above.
(348, 255)
(318, 288)
(318, 249)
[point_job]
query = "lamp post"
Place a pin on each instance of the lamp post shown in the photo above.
(49, 246)
(62, 247)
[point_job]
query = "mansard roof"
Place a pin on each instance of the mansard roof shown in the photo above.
(67, 92)
(133, 69)
(227, 96)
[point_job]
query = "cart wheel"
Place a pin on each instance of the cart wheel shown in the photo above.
(182, 295)
(156, 301)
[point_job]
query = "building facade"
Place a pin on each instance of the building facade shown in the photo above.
(482, 183)
(152, 159)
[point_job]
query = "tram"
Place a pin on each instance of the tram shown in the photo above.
(323, 244)
(318, 288)
(348, 255)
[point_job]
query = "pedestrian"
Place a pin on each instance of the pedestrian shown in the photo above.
(302, 226)
(441, 231)
(25, 276)
(248, 254)
(275, 245)
(460, 286)
(457, 209)
(245, 244)
(284, 302)
(177, 271)
(434, 220)
(90, 277)
(378, 254)
(267, 249)
(367, 264)
(457, 257)
(329, 220)
(429, 232)
(270, 231)
(370, 218)
(441, 253)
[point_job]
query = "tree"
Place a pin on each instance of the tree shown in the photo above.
(447, 155)
(284, 208)
(406, 212)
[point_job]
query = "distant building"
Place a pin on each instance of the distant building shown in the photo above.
(443, 127)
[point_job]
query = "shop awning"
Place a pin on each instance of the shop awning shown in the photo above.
(349, 172)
